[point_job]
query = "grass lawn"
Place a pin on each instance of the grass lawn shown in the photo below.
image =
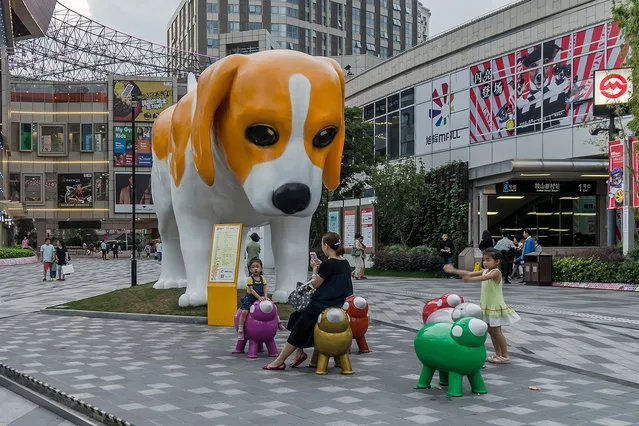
(402, 274)
(144, 299)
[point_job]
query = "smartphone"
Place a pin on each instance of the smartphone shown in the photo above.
(314, 257)
(127, 91)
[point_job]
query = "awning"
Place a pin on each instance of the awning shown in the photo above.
(15, 208)
(557, 170)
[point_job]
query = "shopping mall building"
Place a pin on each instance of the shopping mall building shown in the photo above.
(511, 94)
(70, 152)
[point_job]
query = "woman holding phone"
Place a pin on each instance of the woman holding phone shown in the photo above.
(333, 284)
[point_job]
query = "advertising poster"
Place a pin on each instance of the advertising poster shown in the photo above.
(480, 113)
(225, 253)
(153, 97)
(123, 147)
(367, 226)
(615, 180)
(124, 196)
(530, 81)
(589, 40)
(349, 227)
(75, 190)
(333, 221)
(33, 188)
(504, 100)
(582, 92)
(557, 81)
(635, 172)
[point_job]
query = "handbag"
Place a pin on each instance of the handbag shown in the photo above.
(356, 252)
(301, 296)
(67, 269)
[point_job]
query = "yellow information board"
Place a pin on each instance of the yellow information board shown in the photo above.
(477, 267)
(223, 271)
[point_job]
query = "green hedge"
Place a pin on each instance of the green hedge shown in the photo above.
(575, 269)
(406, 261)
(13, 252)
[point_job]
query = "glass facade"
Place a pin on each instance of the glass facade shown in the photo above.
(393, 120)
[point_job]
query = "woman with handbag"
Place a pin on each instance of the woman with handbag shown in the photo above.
(62, 256)
(358, 252)
(332, 283)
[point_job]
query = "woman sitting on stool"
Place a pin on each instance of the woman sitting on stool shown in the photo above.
(333, 285)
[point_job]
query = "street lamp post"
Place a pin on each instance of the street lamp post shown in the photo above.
(134, 265)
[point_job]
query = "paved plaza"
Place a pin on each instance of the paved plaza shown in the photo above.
(577, 346)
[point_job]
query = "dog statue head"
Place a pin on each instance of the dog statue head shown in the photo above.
(277, 119)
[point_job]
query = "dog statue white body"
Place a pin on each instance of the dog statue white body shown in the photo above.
(251, 144)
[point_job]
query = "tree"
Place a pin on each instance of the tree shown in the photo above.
(357, 162)
(25, 228)
(626, 12)
(399, 188)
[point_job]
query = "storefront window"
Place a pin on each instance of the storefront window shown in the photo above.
(50, 187)
(74, 137)
(87, 138)
(100, 135)
(14, 187)
(52, 140)
(26, 137)
(101, 186)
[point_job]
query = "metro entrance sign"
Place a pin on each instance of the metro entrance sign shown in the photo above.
(612, 88)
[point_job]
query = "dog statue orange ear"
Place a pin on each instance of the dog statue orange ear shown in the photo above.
(213, 87)
(333, 164)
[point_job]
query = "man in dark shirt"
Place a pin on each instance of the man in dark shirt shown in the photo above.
(446, 251)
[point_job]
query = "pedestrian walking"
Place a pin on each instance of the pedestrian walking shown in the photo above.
(446, 251)
(62, 258)
(359, 253)
(47, 257)
(158, 250)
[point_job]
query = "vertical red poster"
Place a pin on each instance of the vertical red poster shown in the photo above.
(635, 172)
(615, 178)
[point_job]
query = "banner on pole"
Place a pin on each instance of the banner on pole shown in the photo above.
(634, 142)
(615, 171)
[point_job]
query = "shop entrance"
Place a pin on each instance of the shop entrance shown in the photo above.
(560, 214)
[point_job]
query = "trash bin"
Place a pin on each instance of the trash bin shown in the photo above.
(538, 269)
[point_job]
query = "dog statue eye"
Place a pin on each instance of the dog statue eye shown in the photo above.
(324, 137)
(261, 135)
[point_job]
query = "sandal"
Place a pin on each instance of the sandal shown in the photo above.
(502, 360)
(298, 361)
(492, 359)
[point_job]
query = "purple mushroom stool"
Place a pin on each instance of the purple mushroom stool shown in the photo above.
(260, 327)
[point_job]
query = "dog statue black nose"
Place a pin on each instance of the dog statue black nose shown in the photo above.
(292, 197)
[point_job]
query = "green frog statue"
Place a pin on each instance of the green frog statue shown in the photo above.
(455, 350)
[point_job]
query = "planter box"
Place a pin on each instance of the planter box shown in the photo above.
(19, 261)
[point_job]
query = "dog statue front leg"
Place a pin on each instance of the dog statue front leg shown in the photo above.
(195, 241)
(289, 240)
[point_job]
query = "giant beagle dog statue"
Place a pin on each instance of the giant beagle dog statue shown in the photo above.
(251, 144)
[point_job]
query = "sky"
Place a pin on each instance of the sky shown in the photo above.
(147, 19)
